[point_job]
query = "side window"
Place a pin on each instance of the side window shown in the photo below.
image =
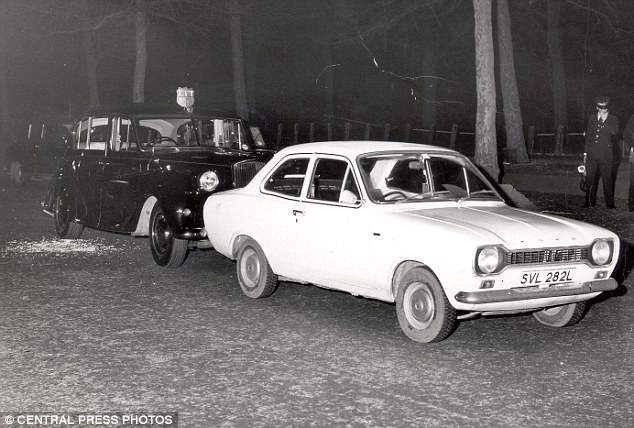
(92, 133)
(288, 178)
(124, 135)
(333, 181)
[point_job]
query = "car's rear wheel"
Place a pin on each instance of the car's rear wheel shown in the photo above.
(423, 310)
(561, 316)
(16, 173)
(167, 251)
(255, 276)
(64, 226)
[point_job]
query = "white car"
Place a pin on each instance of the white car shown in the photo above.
(412, 224)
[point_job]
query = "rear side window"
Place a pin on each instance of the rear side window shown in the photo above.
(288, 178)
(91, 134)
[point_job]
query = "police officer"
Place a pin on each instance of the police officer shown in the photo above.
(601, 129)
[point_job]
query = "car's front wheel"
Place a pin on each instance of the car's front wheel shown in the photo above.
(423, 310)
(64, 226)
(561, 316)
(255, 276)
(167, 250)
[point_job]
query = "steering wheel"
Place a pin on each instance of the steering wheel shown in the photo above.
(394, 193)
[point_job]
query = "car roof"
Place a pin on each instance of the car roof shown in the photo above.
(151, 109)
(355, 148)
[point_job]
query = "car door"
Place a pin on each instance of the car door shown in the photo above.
(88, 167)
(334, 227)
(122, 166)
(283, 210)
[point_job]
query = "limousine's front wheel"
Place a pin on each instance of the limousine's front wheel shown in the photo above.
(167, 250)
(254, 273)
(65, 228)
(424, 313)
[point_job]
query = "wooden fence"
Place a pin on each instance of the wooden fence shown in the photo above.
(538, 143)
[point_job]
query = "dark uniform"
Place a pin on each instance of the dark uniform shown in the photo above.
(599, 151)
(628, 141)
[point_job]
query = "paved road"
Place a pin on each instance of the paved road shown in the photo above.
(96, 327)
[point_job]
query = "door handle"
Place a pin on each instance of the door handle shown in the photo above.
(295, 212)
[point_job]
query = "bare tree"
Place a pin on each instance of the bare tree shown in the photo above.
(140, 64)
(516, 145)
(486, 141)
(558, 75)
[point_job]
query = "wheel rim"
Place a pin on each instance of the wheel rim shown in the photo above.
(161, 234)
(419, 305)
(61, 214)
(250, 268)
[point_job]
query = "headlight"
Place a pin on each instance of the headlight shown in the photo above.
(601, 252)
(208, 181)
(488, 259)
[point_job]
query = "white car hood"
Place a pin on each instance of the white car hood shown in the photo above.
(513, 227)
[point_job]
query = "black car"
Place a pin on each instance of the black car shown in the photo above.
(147, 171)
(37, 152)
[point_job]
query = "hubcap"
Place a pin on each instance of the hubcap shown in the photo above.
(162, 234)
(418, 304)
(250, 268)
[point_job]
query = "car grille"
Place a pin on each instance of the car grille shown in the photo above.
(244, 171)
(552, 255)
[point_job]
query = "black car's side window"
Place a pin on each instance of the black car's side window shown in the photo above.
(124, 135)
(91, 134)
(288, 178)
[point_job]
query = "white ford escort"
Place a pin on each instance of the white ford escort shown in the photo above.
(412, 224)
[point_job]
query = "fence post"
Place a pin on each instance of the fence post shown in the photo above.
(311, 132)
(531, 139)
(432, 134)
(329, 131)
(280, 128)
(386, 132)
(347, 131)
(454, 136)
(295, 133)
(367, 131)
(408, 131)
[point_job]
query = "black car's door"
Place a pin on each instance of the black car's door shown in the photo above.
(120, 192)
(88, 168)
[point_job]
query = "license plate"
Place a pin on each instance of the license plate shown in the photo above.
(547, 277)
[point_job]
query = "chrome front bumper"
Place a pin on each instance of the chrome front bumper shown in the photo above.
(529, 293)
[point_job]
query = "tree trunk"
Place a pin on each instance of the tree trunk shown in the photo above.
(328, 79)
(515, 143)
(91, 69)
(560, 93)
(138, 89)
(486, 143)
(6, 131)
(239, 81)
(429, 89)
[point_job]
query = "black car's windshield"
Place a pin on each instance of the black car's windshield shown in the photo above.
(408, 177)
(192, 132)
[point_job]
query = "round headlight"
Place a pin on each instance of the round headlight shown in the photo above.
(488, 259)
(601, 252)
(208, 181)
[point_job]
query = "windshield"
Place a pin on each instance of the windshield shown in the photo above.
(192, 132)
(408, 177)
